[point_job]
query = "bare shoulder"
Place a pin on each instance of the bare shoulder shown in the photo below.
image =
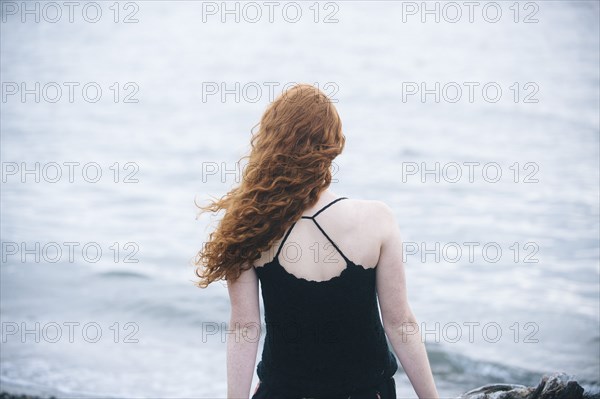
(379, 212)
(372, 207)
(382, 208)
(375, 217)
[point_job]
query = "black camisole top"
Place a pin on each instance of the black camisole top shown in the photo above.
(323, 338)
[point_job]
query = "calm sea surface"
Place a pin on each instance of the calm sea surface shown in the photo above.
(495, 185)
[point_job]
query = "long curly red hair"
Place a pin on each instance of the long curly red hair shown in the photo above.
(299, 135)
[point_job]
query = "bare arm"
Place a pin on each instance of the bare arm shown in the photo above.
(243, 335)
(399, 322)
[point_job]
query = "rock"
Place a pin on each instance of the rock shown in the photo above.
(555, 386)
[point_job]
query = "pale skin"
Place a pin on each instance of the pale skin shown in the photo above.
(382, 250)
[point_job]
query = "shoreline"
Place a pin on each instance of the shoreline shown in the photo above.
(8, 395)
(554, 386)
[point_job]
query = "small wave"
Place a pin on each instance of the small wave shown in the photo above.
(474, 372)
(122, 274)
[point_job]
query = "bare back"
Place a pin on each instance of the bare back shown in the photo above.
(319, 243)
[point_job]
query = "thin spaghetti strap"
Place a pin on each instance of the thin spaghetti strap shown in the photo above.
(284, 238)
(314, 220)
(331, 241)
(327, 206)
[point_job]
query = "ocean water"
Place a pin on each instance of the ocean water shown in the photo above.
(495, 191)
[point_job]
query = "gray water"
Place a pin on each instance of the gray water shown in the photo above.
(176, 132)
